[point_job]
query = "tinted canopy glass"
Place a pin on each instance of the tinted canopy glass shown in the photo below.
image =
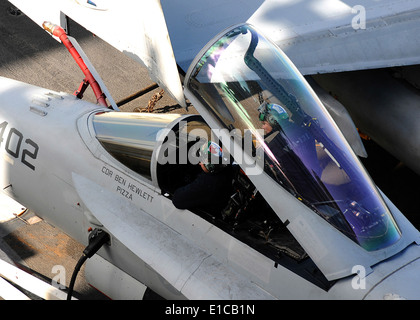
(247, 83)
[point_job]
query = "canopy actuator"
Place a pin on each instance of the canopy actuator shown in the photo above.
(89, 79)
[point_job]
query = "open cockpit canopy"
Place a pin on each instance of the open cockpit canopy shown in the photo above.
(249, 87)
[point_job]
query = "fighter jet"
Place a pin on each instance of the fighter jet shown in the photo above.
(303, 219)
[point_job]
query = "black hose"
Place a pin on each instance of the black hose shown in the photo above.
(97, 239)
(79, 264)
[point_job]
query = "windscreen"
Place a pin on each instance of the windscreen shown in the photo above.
(247, 83)
(131, 137)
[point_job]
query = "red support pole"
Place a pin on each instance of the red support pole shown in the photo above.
(61, 34)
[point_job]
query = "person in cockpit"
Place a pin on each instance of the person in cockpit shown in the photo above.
(211, 189)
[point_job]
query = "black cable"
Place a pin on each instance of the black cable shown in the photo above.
(79, 264)
(97, 239)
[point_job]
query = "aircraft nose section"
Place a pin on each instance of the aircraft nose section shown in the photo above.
(404, 283)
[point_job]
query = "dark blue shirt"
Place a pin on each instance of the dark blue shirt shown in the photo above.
(209, 192)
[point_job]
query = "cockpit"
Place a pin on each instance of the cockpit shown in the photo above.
(163, 150)
(277, 136)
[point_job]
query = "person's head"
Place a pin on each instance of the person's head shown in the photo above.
(211, 156)
(272, 115)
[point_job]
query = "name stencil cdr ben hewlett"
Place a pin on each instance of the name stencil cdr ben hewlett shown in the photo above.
(126, 188)
(212, 309)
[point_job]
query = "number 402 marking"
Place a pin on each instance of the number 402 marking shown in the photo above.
(14, 150)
